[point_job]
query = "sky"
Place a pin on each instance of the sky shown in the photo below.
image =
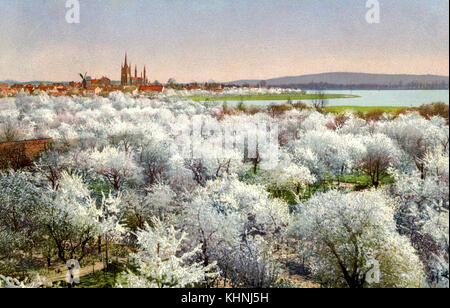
(221, 40)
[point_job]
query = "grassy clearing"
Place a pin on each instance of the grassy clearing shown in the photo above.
(101, 279)
(271, 97)
(354, 109)
(353, 181)
(363, 181)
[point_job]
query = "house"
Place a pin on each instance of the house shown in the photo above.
(62, 89)
(102, 82)
(5, 92)
(193, 88)
(43, 87)
(17, 87)
(92, 91)
(29, 88)
(151, 88)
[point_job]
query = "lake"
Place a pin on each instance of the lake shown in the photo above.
(403, 98)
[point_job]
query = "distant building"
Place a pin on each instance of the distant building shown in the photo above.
(102, 82)
(151, 88)
(29, 88)
(88, 81)
(128, 80)
(5, 92)
(193, 88)
(92, 90)
(114, 87)
(17, 86)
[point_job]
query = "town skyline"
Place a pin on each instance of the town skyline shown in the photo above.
(118, 81)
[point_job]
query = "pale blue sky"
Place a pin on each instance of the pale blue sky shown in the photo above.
(221, 39)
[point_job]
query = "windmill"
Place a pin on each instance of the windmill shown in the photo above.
(84, 80)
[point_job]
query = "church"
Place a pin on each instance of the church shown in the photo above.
(127, 78)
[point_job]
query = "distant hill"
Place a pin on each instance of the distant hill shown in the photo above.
(10, 82)
(38, 82)
(355, 80)
(337, 80)
(34, 82)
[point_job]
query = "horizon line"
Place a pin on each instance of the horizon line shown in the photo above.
(253, 79)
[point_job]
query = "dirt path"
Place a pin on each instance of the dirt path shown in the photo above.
(348, 185)
(98, 266)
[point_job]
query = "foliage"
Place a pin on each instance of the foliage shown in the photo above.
(136, 173)
(352, 233)
(230, 219)
(423, 214)
(158, 262)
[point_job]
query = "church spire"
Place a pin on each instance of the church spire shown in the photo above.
(145, 75)
(125, 59)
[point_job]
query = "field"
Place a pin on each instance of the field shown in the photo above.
(269, 97)
(298, 97)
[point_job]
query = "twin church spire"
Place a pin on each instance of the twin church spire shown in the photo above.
(127, 78)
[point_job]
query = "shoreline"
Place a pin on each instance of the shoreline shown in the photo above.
(275, 97)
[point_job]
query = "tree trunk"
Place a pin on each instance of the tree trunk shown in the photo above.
(106, 252)
(99, 245)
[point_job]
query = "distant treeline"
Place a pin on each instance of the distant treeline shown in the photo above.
(399, 86)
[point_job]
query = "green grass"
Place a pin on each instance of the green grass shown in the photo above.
(100, 279)
(306, 193)
(99, 187)
(353, 109)
(271, 97)
(363, 181)
(359, 181)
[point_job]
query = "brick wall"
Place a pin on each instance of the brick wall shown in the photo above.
(19, 154)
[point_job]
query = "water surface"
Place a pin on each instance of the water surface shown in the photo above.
(402, 98)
